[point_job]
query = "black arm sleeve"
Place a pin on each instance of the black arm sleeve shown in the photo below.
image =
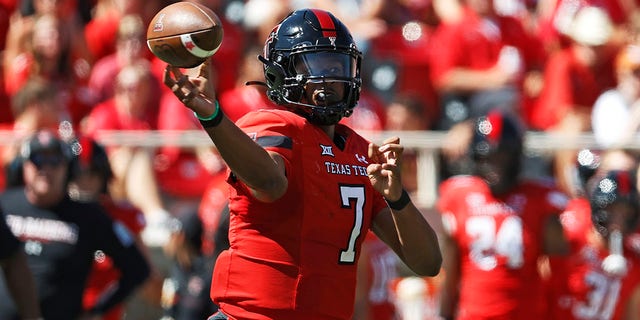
(119, 244)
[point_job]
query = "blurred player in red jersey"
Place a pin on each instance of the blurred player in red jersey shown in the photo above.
(90, 182)
(496, 229)
(601, 279)
(305, 190)
(581, 285)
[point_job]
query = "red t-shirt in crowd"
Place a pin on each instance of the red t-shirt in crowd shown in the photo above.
(473, 43)
(178, 170)
(239, 101)
(214, 200)
(369, 114)
(105, 116)
(101, 33)
(568, 84)
(406, 46)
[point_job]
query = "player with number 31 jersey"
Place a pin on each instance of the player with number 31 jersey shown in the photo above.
(496, 229)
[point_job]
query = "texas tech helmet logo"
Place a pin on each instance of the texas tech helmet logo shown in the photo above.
(269, 41)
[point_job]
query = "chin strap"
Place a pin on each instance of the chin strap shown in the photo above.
(615, 263)
(256, 83)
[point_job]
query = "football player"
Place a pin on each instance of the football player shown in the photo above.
(304, 189)
(497, 228)
(601, 279)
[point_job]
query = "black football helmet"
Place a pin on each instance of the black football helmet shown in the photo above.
(616, 186)
(312, 46)
(496, 150)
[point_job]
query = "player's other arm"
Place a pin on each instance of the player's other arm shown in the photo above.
(402, 226)
(263, 172)
(411, 237)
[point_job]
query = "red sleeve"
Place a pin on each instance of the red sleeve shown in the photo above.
(530, 46)
(576, 222)
(100, 35)
(555, 98)
(446, 54)
(102, 117)
(445, 206)
(271, 129)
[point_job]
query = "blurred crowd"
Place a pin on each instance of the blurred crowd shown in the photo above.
(80, 67)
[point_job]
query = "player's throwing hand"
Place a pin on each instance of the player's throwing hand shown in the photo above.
(187, 87)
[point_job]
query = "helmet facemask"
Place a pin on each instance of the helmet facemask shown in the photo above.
(323, 86)
(311, 71)
(614, 203)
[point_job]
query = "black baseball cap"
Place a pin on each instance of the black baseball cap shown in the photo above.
(45, 142)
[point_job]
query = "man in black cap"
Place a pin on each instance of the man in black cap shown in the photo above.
(61, 236)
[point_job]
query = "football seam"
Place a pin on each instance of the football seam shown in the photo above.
(204, 13)
(179, 34)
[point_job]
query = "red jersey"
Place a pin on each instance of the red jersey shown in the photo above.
(569, 84)
(499, 240)
(214, 200)
(580, 288)
(576, 222)
(296, 258)
(592, 293)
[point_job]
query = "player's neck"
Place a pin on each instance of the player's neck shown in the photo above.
(329, 130)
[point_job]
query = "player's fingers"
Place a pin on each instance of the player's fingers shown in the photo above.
(175, 71)
(186, 99)
(166, 77)
(371, 150)
(182, 80)
(374, 154)
(203, 70)
(391, 140)
(397, 149)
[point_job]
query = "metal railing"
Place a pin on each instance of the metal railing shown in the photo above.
(426, 143)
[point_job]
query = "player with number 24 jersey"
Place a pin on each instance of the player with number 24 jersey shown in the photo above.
(499, 241)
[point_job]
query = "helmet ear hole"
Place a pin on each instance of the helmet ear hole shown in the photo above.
(274, 73)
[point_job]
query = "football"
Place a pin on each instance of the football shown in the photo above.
(184, 34)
